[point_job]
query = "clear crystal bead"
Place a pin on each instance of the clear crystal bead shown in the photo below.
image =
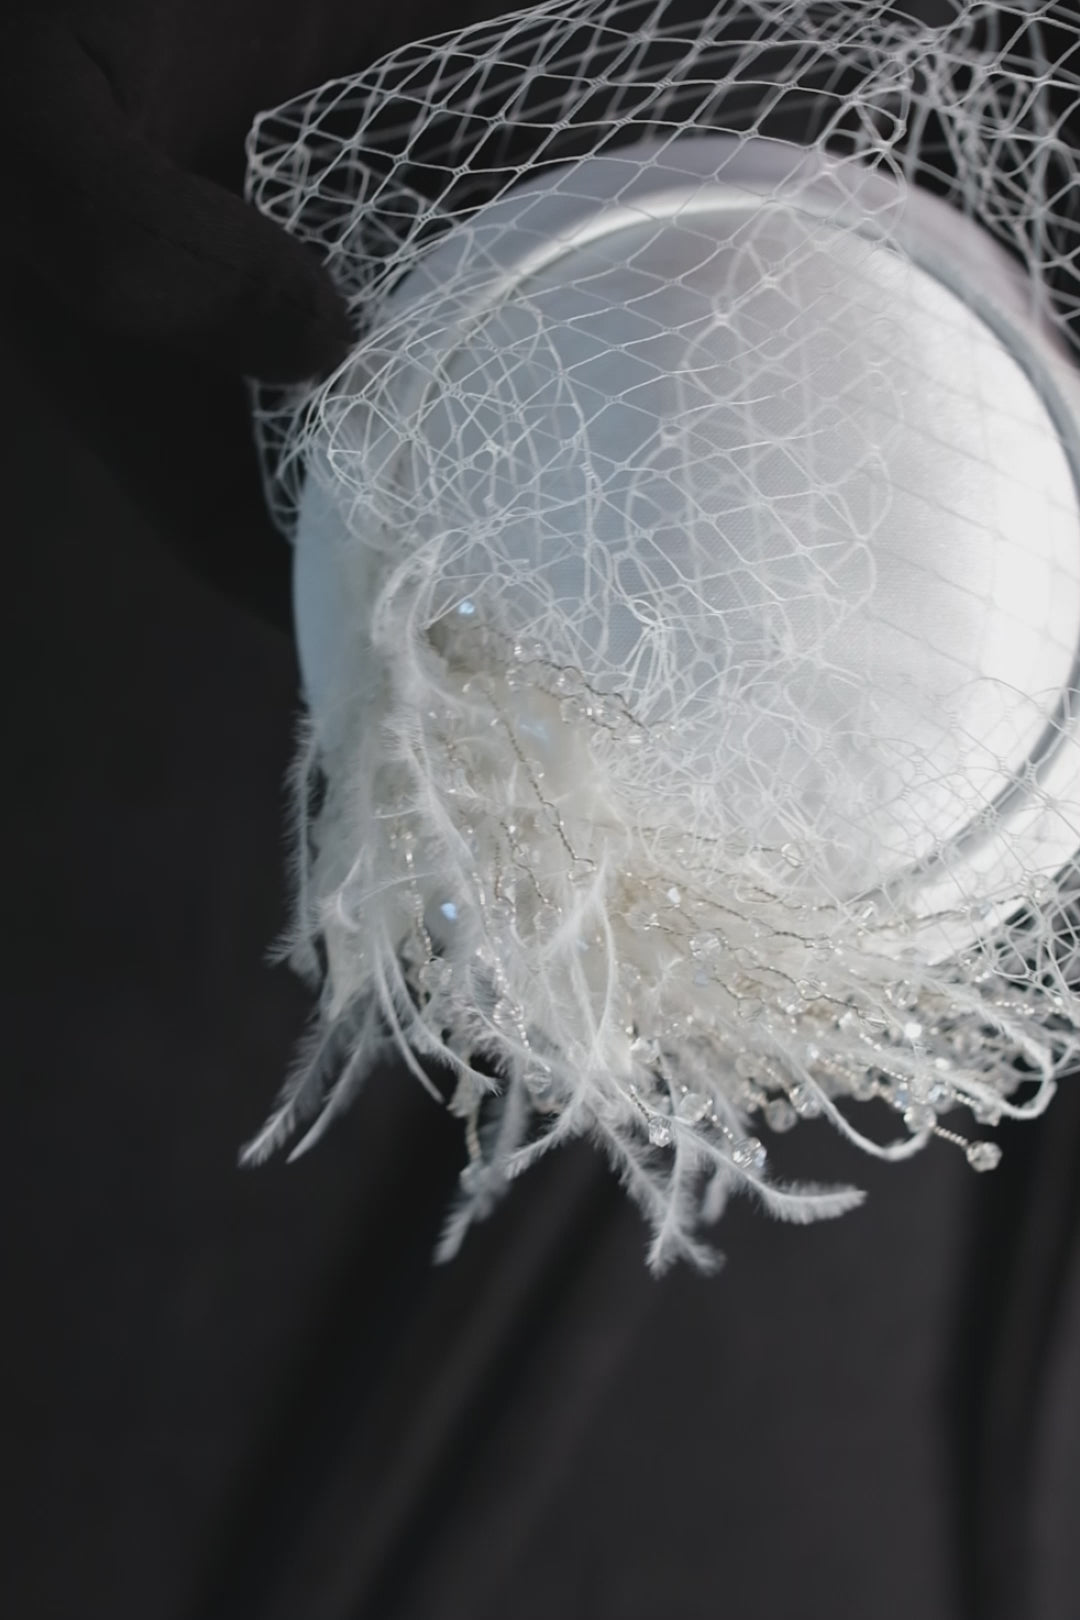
(804, 1101)
(749, 1154)
(862, 1085)
(919, 1117)
(983, 1155)
(779, 1115)
(693, 1107)
(987, 1113)
(538, 1077)
(660, 1133)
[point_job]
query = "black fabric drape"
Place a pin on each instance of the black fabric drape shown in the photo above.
(250, 1395)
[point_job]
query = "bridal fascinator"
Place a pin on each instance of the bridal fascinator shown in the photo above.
(687, 571)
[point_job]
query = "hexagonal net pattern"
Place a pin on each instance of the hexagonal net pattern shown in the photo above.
(688, 585)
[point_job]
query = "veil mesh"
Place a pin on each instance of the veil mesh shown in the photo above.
(688, 582)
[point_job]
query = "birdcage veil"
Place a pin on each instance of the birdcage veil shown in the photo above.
(688, 586)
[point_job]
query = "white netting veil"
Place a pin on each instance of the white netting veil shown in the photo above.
(688, 585)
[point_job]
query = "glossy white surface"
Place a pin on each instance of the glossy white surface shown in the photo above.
(848, 469)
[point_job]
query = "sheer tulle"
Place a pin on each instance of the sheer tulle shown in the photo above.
(688, 587)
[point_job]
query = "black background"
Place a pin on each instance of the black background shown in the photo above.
(250, 1395)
